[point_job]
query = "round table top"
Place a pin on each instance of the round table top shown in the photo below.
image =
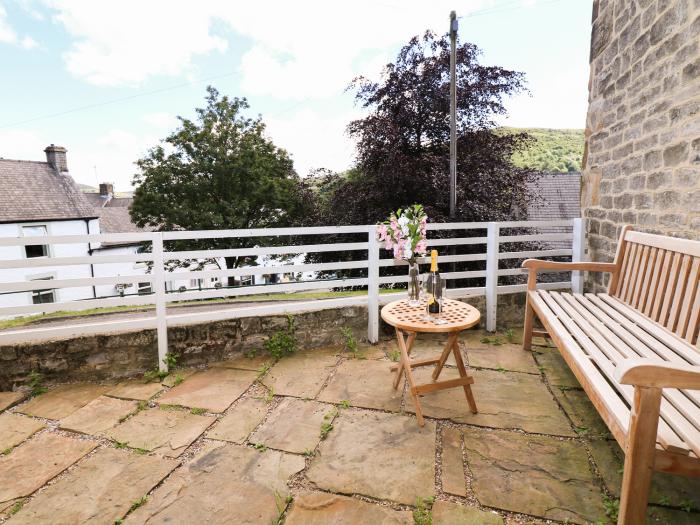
(459, 316)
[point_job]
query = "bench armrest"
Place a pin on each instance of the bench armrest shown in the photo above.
(658, 374)
(538, 264)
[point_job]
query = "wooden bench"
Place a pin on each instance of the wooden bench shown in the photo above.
(636, 353)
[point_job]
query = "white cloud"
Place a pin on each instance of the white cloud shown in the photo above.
(129, 42)
(9, 36)
(161, 120)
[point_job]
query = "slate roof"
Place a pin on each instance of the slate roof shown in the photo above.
(116, 219)
(559, 197)
(34, 191)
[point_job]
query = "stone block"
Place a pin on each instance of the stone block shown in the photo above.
(676, 154)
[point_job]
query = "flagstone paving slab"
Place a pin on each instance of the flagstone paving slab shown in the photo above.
(506, 356)
(449, 513)
(243, 362)
(504, 400)
(364, 383)
(15, 428)
(136, 389)
(425, 348)
(100, 490)
(9, 399)
(214, 389)
(301, 374)
(536, 475)
(582, 413)
(385, 456)
(36, 462)
(237, 425)
(227, 484)
(98, 415)
(666, 489)
(555, 368)
(177, 376)
(63, 400)
(452, 463)
(320, 508)
(294, 425)
(165, 432)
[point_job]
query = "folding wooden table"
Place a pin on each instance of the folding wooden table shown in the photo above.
(409, 321)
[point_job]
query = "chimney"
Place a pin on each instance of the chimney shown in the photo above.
(56, 157)
(106, 189)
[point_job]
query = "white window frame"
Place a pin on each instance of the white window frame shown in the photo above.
(42, 277)
(22, 226)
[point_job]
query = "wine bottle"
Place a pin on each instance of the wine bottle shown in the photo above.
(434, 286)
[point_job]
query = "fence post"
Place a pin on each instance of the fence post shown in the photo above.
(159, 289)
(373, 286)
(491, 275)
(578, 251)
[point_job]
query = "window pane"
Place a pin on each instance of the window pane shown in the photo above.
(39, 250)
(33, 231)
(42, 296)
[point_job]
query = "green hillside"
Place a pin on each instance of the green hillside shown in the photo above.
(553, 150)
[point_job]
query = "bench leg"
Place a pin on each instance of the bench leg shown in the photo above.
(527, 328)
(639, 456)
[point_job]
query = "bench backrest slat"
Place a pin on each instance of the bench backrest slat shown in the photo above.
(660, 277)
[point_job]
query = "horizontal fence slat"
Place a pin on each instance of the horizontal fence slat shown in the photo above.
(283, 268)
(441, 259)
(516, 288)
(263, 232)
(271, 250)
(535, 254)
(47, 262)
(537, 224)
(456, 241)
(457, 226)
(392, 279)
(77, 306)
(54, 284)
(536, 237)
(265, 289)
(78, 239)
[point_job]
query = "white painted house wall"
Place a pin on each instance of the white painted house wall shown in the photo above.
(69, 227)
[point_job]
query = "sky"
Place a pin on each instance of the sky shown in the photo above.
(106, 80)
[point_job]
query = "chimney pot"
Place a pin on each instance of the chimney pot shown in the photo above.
(56, 157)
(106, 189)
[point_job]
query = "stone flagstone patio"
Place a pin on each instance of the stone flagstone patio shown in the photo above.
(321, 437)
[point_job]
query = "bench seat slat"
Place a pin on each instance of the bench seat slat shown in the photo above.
(671, 340)
(606, 400)
(590, 341)
(677, 410)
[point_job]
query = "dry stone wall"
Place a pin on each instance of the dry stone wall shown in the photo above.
(642, 155)
(132, 353)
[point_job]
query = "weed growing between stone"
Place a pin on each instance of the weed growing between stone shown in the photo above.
(284, 342)
(36, 383)
(423, 515)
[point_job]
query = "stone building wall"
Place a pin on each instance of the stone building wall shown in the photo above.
(642, 156)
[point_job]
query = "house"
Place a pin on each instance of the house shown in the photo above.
(39, 199)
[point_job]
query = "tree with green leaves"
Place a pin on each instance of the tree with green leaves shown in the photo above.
(218, 171)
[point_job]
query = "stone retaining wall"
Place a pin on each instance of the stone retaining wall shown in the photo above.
(127, 354)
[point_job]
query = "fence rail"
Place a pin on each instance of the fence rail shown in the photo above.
(373, 268)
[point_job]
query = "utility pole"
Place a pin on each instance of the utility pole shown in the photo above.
(453, 114)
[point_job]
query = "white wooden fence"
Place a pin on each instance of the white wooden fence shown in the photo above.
(489, 235)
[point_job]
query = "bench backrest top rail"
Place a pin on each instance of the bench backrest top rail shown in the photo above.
(659, 276)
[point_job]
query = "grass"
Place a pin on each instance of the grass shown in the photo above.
(326, 429)
(198, 411)
(67, 314)
(138, 503)
(423, 515)
(16, 507)
(260, 447)
(36, 383)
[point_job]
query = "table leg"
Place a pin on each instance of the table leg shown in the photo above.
(406, 366)
(409, 345)
(451, 343)
(463, 373)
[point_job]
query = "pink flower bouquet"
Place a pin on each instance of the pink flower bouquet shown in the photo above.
(404, 233)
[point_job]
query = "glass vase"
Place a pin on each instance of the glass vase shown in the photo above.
(413, 284)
